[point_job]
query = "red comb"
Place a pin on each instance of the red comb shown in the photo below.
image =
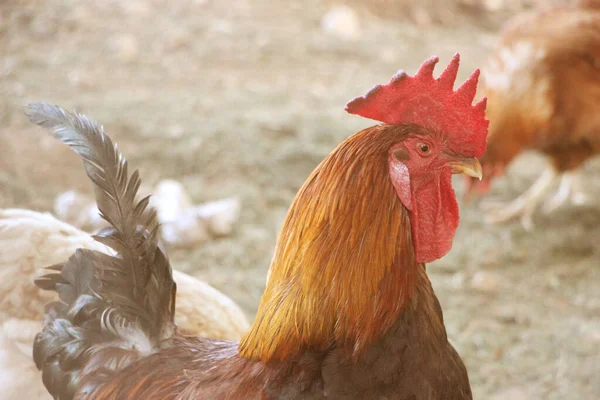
(431, 103)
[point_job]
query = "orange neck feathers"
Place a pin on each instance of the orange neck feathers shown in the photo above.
(344, 263)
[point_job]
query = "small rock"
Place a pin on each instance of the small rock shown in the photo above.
(126, 47)
(262, 40)
(220, 216)
(79, 13)
(553, 281)
(19, 89)
(458, 280)
(341, 21)
(389, 54)
(178, 39)
(506, 315)
(184, 231)
(44, 26)
(175, 131)
(593, 336)
(222, 26)
(7, 65)
(511, 315)
(183, 223)
(422, 17)
(80, 79)
(170, 198)
(486, 281)
(497, 353)
(136, 8)
(493, 5)
(510, 394)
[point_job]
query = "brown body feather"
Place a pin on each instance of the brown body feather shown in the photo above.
(543, 88)
(347, 314)
(334, 273)
(413, 360)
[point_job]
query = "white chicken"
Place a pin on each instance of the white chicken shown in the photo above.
(182, 223)
(30, 241)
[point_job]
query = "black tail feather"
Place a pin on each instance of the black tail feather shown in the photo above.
(108, 303)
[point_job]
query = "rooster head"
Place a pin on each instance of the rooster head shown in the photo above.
(444, 133)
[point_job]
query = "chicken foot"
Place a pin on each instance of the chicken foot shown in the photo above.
(569, 190)
(525, 205)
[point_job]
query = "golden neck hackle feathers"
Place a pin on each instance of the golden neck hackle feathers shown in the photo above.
(344, 264)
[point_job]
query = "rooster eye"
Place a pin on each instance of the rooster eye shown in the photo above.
(423, 148)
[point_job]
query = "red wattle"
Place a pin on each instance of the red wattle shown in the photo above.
(434, 217)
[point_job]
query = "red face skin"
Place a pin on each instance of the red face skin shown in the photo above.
(422, 177)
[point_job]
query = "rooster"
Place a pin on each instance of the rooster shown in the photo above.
(28, 241)
(543, 86)
(348, 311)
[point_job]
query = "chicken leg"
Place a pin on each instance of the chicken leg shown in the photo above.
(569, 190)
(525, 205)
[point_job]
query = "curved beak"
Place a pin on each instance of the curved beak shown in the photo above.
(468, 166)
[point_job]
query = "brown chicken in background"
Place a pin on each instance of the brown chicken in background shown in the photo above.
(29, 241)
(348, 311)
(543, 89)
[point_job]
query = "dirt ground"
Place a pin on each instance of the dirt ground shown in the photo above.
(244, 98)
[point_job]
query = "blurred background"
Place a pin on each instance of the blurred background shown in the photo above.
(241, 99)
